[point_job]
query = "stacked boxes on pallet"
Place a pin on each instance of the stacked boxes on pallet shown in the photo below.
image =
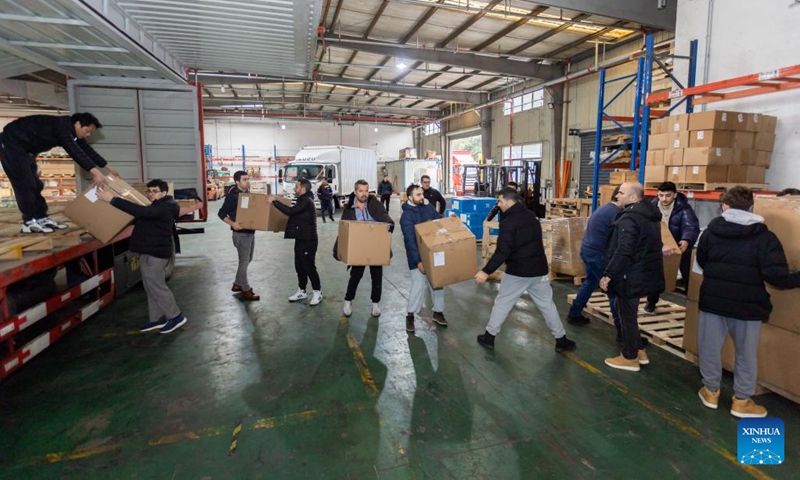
(562, 244)
(710, 147)
(779, 340)
(472, 211)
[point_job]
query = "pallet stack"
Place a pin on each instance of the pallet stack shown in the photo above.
(710, 150)
(562, 245)
(568, 207)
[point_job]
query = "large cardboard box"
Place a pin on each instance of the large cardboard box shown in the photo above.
(676, 174)
(658, 142)
(101, 219)
(565, 239)
(695, 280)
(606, 192)
(718, 120)
(672, 262)
(448, 251)
(721, 138)
(746, 174)
(256, 212)
(744, 157)
(407, 152)
(619, 177)
(659, 126)
(655, 157)
(764, 141)
(674, 156)
(706, 174)
(763, 158)
(690, 327)
(678, 123)
(761, 123)
(678, 139)
(782, 217)
(57, 169)
(655, 174)
(708, 156)
(364, 243)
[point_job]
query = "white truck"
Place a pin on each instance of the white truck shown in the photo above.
(342, 166)
(403, 173)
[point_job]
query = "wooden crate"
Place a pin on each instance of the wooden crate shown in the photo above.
(568, 207)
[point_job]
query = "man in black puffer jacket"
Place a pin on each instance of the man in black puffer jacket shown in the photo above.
(152, 240)
(520, 247)
(363, 207)
(737, 253)
(302, 227)
(634, 269)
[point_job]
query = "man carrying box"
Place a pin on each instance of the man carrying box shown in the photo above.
(302, 227)
(520, 247)
(152, 240)
(737, 253)
(243, 239)
(363, 207)
(415, 211)
(24, 139)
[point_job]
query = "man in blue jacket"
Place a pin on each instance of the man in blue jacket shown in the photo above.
(385, 190)
(684, 226)
(415, 211)
(152, 240)
(243, 239)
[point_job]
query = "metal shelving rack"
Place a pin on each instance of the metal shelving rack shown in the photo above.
(641, 80)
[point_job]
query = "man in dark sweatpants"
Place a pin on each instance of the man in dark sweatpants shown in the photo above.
(24, 139)
(152, 240)
(385, 190)
(243, 239)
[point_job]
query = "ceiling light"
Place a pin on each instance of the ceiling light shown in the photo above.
(401, 65)
(222, 89)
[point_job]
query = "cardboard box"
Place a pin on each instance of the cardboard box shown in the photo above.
(676, 174)
(564, 238)
(674, 156)
(763, 158)
(672, 262)
(256, 212)
(655, 157)
(744, 157)
(708, 156)
(407, 152)
(659, 126)
(764, 141)
(448, 251)
(695, 280)
(761, 123)
(782, 217)
(658, 142)
(655, 174)
(606, 191)
(706, 174)
(678, 123)
(101, 219)
(678, 139)
(364, 243)
(721, 138)
(718, 120)
(619, 177)
(60, 169)
(746, 174)
(690, 327)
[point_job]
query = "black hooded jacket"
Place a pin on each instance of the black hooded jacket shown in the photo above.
(737, 258)
(152, 232)
(635, 263)
(519, 245)
(302, 223)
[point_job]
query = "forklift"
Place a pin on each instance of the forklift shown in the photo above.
(490, 179)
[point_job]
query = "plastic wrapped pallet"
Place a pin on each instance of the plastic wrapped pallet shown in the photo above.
(563, 240)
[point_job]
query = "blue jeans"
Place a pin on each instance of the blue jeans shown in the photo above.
(595, 263)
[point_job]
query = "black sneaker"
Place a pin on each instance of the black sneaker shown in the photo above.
(486, 340)
(650, 309)
(438, 317)
(410, 323)
(578, 321)
(564, 344)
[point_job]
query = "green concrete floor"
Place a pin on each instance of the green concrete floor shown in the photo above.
(306, 393)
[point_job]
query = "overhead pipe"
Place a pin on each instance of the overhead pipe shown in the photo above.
(354, 118)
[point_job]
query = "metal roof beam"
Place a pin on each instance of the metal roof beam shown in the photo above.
(637, 11)
(66, 46)
(37, 59)
(43, 93)
(457, 59)
(439, 94)
(39, 19)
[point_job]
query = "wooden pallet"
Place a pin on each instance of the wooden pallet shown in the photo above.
(568, 207)
(14, 244)
(576, 280)
(664, 328)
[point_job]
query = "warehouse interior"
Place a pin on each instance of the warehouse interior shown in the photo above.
(571, 96)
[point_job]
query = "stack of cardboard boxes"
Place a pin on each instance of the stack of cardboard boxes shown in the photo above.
(562, 241)
(779, 341)
(472, 211)
(710, 147)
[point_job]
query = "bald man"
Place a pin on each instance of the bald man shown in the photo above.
(634, 269)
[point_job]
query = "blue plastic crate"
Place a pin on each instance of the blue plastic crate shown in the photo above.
(456, 203)
(477, 231)
(472, 220)
(477, 205)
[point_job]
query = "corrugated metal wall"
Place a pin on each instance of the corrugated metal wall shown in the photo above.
(586, 173)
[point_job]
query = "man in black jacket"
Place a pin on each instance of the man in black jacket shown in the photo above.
(520, 247)
(152, 240)
(243, 239)
(634, 268)
(737, 253)
(302, 227)
(24, 139)
(385, 190)
(432, 195)
(325, 195)
(363, 207)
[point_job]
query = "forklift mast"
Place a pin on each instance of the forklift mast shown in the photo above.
(490, 179)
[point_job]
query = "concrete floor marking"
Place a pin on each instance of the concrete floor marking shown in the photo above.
(61, 457)
(361, 364)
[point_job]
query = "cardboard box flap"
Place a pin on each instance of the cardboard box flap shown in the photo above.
(443, 231)
(667, 239)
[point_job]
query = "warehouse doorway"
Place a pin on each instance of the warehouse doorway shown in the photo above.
(464, 151)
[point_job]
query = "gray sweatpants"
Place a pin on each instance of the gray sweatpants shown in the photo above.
(245, 244)
(511, 288)
(160, 301)
(711, 332)
(416, 293)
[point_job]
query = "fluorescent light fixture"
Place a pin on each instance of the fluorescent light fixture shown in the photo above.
(401, 65)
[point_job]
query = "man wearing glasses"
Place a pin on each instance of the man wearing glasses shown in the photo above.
(433, 196)
(152, 240)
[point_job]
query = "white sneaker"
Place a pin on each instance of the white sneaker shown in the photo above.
(347, 309)
(298, 295)
(35, 226)
(50, 223)
(376, 310)
(316, 298)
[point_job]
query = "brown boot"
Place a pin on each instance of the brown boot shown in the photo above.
(710, 399)
(747, 409)
(249, 295)
(623, 363)
(236, 288)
